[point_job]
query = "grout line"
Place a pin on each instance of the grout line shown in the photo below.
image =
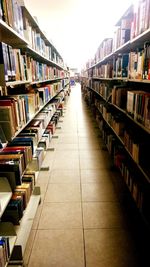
(84, 248)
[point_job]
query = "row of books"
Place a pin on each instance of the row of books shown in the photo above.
(101, 88)
(15, 16)
(119, 159)
(132, 179)
(26, 151)
(138, 105)
(135, 102)
(103, 71)
(23, 188)
(134, 143)
(17, 110)
(122, 32)
(139, 63)
(141, 18)
(119, 96)
(135, 65)
(11, 13)
(133, 182)
(19, 66)
(120, 66)
(4, 251)
(37, 41)
(19, 200)
(104, 49)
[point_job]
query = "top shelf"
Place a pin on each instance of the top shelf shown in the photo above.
(36, 26)
(10, 36)
(131, 45)
(14, 39)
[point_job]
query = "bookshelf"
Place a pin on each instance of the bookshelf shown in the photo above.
(34, 82)
(115, 84)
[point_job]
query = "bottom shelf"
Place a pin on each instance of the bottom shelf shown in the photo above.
(23, 230)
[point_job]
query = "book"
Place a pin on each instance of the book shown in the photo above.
(13, 212)
(37, 160)
(26, 187)
(16, 157)
(4, 11)
(4, 61)
(22, 141)
(26, 151)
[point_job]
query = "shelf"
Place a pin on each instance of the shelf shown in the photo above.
(105, 59)
(123, 111)
(36, 26)
(139, 41)
(23, 230)
(136, 122)
(5, 194)
(15, 83)
(10, 36)
(35, 54)
(131, 45)
(34, 115)
(121, 141)
(120, 79)
(97, 93)
(125, 48)
(138, 81)
(98, 78)
(46, 81)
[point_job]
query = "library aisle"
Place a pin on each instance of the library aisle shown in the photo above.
(83, 219)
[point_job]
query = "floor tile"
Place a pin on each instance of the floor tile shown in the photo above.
(66, 163)
(67, 147)
(43, 177)
(93, 163)
(89, 146)
(58, 248)
(96, 176)
(103, 215)
(98, 192)
(64, 155)
(68, 140)
(64, 176)
(61, 216)
(63, 193)
(107, 247)
(48, 160)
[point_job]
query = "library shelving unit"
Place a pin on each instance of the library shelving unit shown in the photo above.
(115, 84)
(34, 82)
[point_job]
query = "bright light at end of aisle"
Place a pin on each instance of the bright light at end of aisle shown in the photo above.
(77, 27)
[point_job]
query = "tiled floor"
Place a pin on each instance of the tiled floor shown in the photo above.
(83, 219)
